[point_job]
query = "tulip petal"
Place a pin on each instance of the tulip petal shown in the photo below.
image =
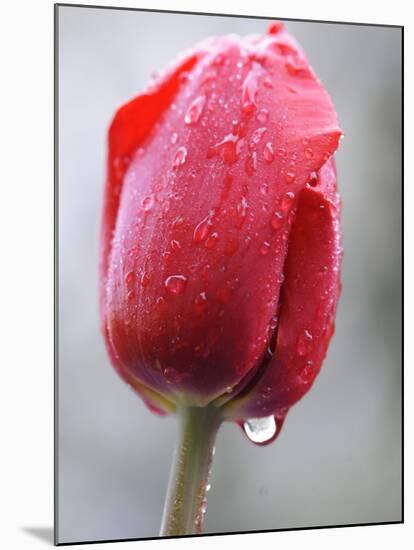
(307, 305)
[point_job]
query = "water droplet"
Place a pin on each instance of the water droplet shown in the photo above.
(287, 200)
(211, 241)
(228, 148)
(251, 163)
(260, 430)
(308, 153)
(195, 110)
(249, 91)
(313, 179)
(200, 302)
(175, 245)
(241, 212)
(267, 82)
(281, 152)
(277, 221)
(130, 278)
(147, 203)
(174, 138)
(131, 296)
(180, 157)
(173, 376)
(307, 373)
(268, 153)
(203, 228)
(266, 392)
(257, 136)
(264, 188)
(290, 177)
(295, 67)
(262, 116)
(304, 345)
(264, 248)
(144, 280)
(175, 284)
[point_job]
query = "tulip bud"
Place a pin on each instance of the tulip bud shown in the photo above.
(221, 246)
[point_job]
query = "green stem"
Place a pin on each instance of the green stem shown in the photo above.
(186, 502)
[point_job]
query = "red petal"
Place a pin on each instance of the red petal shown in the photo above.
(308, 303)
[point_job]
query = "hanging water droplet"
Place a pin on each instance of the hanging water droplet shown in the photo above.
(174, 138)
(175, 284)
(268, 153)
(304, 344)
(251, 163)
(180, 157)
(264, 188)
(195, 110)
(260, 430)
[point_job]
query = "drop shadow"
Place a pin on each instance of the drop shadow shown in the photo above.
(42, 533)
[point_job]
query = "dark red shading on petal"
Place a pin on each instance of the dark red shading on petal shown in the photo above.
(307, 306)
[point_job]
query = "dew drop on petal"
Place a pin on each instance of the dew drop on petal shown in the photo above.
(313, 179)
(147, 203)
(211, 241)
(180, 157)
(260, 430)
(174, 138)
(290, 177)
(307, 373)
(308, 153)
(195, 110)
(268, 153)
(287, 200)
(264, 248)
(304, 344)
(175, 284)
(277, 221)
(249, 91)
(200, 302)
(144, 280)
(202, 230)
(129, 278)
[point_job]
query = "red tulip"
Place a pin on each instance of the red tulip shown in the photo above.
(221, 246)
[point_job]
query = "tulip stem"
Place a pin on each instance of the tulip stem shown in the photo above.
(186, 502)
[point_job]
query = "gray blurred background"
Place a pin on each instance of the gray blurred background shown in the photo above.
(338, 459)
